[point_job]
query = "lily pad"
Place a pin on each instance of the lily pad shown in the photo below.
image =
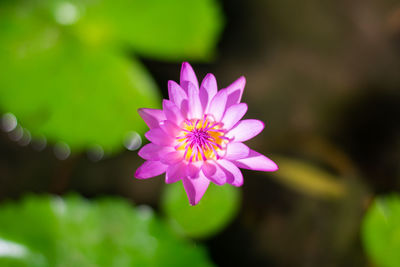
(213, 213)
(67, 73)
(381, 231)
(51, 231)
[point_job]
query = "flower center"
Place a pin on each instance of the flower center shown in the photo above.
(201, 139)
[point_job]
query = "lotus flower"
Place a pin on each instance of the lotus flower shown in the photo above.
(198, 136)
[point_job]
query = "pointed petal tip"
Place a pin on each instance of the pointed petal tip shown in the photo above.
(188, 74)
(137, 174)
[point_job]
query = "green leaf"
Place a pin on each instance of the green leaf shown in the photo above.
(381, 231)
(173, 29)
(306, 178)
(216, 209)
(50, 231)
(66, 76)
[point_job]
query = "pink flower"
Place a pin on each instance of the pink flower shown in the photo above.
(198, 136)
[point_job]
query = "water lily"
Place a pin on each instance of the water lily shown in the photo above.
(198, 136)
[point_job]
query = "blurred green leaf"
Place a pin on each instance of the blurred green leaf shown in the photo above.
(50, 231)
(381, 231)
(173, 29)
(216, 209)
(64, 73)
(306, 178)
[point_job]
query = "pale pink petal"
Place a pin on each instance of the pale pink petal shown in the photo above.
(234, 114)
(151, 117)
(172, 112)
(178, 96)
(150, 169)
(195, 188)
(213, 172)
(208, 90)
(256, 161)
(217, 105)
(236, 151)
(233, 175)
(152, 151)
(170, 128)
(245, 130)
(175, 172)
(195, 108)
(171, 157)
(159, 137)
(193, 169)
(235, 91)
(188, 75)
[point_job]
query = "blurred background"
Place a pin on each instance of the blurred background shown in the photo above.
(323, 75)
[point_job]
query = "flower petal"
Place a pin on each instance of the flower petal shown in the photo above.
(195, 108)
(171, 157)
(233, 175)
(172, 112)
(213, 172)
(178, 96)
(170, 128)
(193, 169)
(195, 188)
(208, 90)
(159, 137)
(235, 91)
(151, 117)
(217, 105)
(175, 172)
(234, 114)
(152, 151)
(236, 151)
(150, 169)
(256, 161)
(245, 130)
(188, 75)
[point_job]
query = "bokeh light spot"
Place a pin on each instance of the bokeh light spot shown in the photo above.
(62, 150)
(8, 122)
(132, 141)
(66, 13)
(95, 153)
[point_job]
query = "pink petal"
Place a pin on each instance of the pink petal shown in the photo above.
(195, 108)
(188, 75)
(256, 161)
(236, 151)
(208, 90)
(235, 91)
(170, 128)
(159, 137)
(234, 114)
(178, 96)
(171, 157)
(150, 169)
(245, 130)
(193, 169)
(195, 188)
(152, 151)
(172, 112)
(213, 172)
(175, 172)
(151, 116)
(233, 175)
(217, 105)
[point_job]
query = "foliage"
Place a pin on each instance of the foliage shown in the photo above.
(51, 231)
(216, 209)
(381, 231)
(308, 179)
(65, 69)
